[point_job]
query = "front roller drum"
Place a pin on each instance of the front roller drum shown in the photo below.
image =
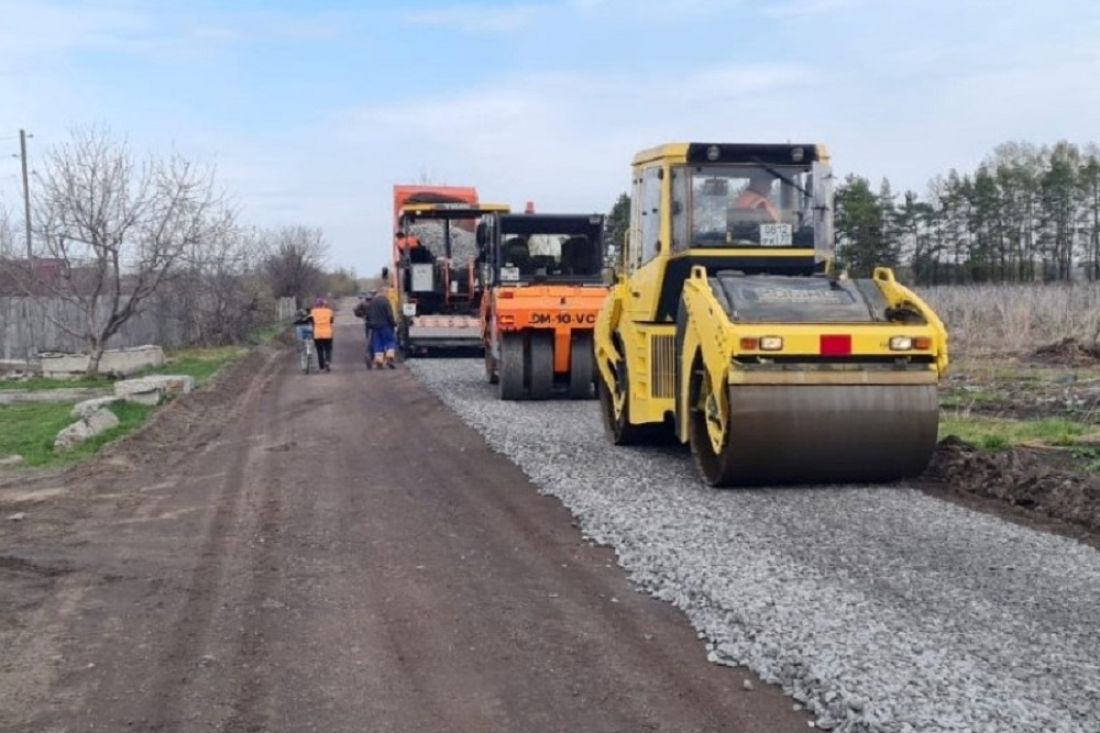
(511, 370)
(820, 434)
(582, 366)
(541, 364)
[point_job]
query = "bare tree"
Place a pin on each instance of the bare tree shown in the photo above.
(7, 238)
(293, 263)
(223, 284)
(118, 228)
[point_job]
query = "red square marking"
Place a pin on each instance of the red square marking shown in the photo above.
(836, 344)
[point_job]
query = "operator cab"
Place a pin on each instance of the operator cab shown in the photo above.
(750, 208)
(523, 249)
(436, 260)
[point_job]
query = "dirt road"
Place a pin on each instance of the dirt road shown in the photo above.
(333, 552)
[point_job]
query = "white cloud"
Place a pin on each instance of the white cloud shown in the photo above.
(803, 8)
(33, 33)
(893, 89)
(479, 18)
(562, 140)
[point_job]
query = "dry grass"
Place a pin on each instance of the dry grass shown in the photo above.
(1015, 319)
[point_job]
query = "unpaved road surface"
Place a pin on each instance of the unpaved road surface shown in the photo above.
(880, 607)
(337, 552)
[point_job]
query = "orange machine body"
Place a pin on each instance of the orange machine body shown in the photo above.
(405, 195)
(560, 308)
(538, 316)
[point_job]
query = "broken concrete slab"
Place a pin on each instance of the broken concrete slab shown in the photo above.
(142, 394)
(61, 394)
(98, 422)
(117, 362)
(18, 368)
(153, 390)
(83, 409)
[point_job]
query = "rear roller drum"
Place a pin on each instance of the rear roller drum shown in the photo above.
(814, 433)
(490, 366)
(581, 367)
(511, 367)
(541, 361)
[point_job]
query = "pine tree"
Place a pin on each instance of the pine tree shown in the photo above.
(1088, 187)
(618, 223)
(861, 244)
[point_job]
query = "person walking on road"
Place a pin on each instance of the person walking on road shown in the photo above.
(362, 310)
(323, 318)
(383, 325)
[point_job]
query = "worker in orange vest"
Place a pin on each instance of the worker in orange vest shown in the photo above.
(406, 241)
(323, 319)
(755, 197)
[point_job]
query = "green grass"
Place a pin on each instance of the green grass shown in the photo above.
(267, 334)
(29, 430)
(35, 384)
(201, 364)
(997, 434)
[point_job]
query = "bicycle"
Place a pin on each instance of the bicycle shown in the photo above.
(305, 346)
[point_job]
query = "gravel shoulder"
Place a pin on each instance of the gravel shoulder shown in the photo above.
(333, 552)
(881, 608)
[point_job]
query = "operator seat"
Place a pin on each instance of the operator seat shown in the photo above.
(576, 256)
(517, 253)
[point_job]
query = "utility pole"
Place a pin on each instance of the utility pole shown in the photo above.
(32, 341)
(26, 197)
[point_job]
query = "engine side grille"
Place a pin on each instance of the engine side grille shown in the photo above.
(662, 351)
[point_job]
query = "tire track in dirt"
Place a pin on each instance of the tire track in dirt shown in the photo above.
(229, 541)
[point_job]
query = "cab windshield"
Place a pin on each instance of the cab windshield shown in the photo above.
(549, 247)
(553, 256)
(745, 206)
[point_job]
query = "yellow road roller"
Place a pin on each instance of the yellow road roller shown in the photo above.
(729, 328)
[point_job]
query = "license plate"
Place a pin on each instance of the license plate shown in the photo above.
(776, 235)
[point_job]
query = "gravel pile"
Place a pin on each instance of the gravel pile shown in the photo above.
(878, 609)
(430, 234)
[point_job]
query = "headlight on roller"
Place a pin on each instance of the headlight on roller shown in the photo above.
(771, 343)
(901, 343)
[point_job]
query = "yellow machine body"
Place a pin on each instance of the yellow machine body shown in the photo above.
(727, 328)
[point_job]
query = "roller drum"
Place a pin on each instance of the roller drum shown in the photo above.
(809, 433)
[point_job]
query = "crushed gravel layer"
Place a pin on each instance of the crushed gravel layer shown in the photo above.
(880, 609)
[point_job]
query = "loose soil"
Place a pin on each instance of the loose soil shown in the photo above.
(1067, 352)
(1050, 488)
(331, 552)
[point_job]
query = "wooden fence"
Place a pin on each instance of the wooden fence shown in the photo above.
(29, 325)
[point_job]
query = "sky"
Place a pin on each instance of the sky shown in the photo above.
(312, 111)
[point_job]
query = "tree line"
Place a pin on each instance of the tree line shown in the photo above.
(114, 234)
(1027, 214)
